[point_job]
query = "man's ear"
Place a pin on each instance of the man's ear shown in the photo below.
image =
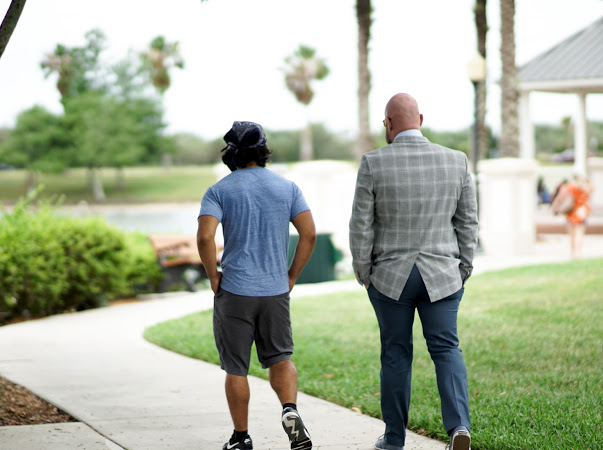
(420, 119)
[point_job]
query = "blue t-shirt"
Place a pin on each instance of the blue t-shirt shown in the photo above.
(255, 207)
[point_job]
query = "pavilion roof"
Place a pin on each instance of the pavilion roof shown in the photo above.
(573, 65)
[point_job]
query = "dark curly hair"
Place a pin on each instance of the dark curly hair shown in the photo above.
(238, 158)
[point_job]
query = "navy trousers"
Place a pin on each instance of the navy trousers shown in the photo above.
(439, 318)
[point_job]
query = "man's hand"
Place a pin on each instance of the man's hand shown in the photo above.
(215, 283)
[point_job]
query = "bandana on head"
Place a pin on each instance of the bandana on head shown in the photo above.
(245, 135)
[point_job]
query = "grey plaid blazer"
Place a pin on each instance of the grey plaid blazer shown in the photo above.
(414, 204)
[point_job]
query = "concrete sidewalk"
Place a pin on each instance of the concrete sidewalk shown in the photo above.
(128, 393)
(96, 366)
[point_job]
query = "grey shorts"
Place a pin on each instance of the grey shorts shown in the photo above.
(240, 320)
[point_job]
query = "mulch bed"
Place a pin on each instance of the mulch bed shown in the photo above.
(18, 406)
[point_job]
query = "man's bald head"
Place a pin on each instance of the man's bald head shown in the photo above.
(401, 114)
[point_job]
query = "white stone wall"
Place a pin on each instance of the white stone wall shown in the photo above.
(507, 191)
(328, 187)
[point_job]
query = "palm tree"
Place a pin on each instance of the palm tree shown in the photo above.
(159, 58)
(303, 67)
(481, 26)
(77, 67)
(61, 62)
(363, 17)
(509, 134)
(10, 22)
(566, 123)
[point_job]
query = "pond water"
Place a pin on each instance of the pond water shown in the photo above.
(146, 218)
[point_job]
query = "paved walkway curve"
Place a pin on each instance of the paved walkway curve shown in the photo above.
(96, 366)
(128, 393)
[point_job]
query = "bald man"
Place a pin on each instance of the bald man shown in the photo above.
(413, 234)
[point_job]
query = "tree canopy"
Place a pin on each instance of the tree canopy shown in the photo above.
(37, 142)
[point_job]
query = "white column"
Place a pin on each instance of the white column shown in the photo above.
(580, 136)
(595, 173)
(507, 208)
(526, 128)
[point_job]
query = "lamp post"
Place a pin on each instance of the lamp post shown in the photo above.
(476, 70)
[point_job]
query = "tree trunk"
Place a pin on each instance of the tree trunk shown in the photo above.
(32, 181)
(363, 17)
(509, 133)
(120, 179)
(481, 25)
(10, 22)
(97, 184)
(166, 162)
(306, 150)
(566, 123)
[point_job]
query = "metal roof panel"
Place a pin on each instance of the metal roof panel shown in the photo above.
(579, 57)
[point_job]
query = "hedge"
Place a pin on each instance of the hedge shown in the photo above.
(51, 263)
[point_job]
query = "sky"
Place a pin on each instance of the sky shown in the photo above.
(234, 53)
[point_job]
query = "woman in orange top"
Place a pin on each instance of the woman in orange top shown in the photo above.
(579, 188)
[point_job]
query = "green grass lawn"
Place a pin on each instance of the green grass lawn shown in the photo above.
(142, 184)
(532, 340)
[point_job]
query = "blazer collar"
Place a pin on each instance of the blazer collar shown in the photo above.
(415, 139)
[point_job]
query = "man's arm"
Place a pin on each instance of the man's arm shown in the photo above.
(361, 224)
(466, 226)
(206, 244)
(304, 224)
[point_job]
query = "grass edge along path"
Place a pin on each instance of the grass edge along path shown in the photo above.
(531, 337)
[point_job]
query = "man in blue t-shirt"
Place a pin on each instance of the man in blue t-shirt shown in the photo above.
(251, 303)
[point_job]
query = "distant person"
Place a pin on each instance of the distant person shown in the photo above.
(573, 200)
(413, 234)
(544, 197)
(251, 303)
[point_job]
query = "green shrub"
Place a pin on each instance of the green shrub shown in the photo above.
(51, 263)
(33, 273)
(144, 273)
(95, 259)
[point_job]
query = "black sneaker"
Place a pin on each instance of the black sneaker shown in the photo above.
(299, 438)
(245, 444)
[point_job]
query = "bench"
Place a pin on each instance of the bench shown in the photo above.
(179, 259)
(561, 228)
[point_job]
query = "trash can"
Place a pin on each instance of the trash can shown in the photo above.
(321, 266)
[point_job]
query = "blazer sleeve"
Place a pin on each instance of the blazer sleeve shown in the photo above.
(466, 225)
(361, 223)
